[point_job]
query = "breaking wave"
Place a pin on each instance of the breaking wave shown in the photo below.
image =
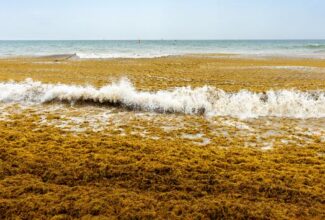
(206, 100)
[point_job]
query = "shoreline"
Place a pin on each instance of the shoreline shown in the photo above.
(75, 56)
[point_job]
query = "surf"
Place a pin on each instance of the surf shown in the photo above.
(205, 100)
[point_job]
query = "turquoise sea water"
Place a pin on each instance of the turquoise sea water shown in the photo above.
(144, 49)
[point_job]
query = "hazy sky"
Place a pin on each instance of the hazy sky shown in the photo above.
(162, 19)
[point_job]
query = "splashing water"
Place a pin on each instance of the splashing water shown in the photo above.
(206, 100)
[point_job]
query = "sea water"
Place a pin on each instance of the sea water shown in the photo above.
(204, 100)
(160, 48)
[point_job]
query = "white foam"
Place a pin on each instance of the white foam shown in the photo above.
(83, 55)
(203, 100)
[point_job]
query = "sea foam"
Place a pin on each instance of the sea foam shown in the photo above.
(206, 100)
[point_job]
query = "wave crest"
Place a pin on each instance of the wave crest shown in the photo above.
(206, 100)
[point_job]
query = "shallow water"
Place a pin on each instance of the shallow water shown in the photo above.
(159, 48)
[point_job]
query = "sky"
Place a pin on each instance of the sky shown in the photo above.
(161, 19)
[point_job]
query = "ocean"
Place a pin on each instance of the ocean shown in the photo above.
(160, 48)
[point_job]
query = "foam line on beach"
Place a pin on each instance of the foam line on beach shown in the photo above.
(205, 100)
(83, 55)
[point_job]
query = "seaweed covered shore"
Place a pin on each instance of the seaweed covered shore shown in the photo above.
(63, 161)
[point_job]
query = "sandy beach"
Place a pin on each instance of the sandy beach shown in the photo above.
(83, 158)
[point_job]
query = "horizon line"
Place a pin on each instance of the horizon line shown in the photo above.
(169, 39)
